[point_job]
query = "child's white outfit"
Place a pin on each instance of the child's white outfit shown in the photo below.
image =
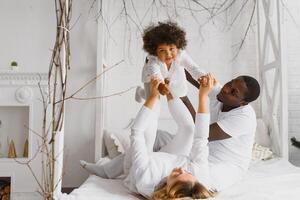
(177, 83)
(176, 74)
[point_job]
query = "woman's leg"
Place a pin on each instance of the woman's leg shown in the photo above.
(111, 169)
(181, 144)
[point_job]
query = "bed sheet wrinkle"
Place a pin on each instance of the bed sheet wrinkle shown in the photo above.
(274, 179)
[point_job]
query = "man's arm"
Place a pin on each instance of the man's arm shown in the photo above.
(216, 133)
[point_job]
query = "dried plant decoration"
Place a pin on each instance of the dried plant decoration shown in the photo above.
(25, 152)
(12, 150)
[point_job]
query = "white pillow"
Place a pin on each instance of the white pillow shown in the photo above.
(262, 135)
(109, 143)
(116, 142)
(122, 140)
(261, 148)
(261, 153)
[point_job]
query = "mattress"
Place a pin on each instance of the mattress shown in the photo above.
(275, 179)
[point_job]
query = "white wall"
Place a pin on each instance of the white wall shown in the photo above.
(27, 34)
(292, 33)
(245, 60)
(80, 115)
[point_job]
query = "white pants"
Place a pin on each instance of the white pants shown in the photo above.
(181, 143)
(183, 119)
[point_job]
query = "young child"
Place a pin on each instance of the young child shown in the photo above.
(167, 60)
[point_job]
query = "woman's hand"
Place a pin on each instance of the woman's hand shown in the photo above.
(206, 84)
(163, 88)
(154, 93)
(154, 87)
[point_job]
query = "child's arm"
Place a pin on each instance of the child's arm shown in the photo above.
(151, 70)
(188, 63)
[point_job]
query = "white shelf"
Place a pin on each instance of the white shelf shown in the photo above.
(14, 126)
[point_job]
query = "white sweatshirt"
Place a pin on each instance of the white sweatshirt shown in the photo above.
(148, 169)
(217, 165)
(176, 74)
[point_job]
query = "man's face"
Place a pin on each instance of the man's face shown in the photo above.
(233, 93)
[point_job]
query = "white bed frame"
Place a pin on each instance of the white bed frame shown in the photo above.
(272, 73)
(271, 68)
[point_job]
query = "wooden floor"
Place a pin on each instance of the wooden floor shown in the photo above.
(67, 190)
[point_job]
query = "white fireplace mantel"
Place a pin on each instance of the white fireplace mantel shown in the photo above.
(22, 90)
(22, 78)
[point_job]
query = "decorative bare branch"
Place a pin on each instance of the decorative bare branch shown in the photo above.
(246, 32)
(106, 96)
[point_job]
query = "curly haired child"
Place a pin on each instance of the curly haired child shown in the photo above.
(165, 43)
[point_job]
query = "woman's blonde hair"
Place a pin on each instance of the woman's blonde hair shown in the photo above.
(193, 190)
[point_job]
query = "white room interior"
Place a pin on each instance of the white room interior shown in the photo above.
(27, 37)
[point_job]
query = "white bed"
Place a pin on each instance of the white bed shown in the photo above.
(274, 179)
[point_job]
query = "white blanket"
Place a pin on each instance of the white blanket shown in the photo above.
(275, 179)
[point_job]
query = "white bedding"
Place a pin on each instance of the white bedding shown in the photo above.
(275, 179)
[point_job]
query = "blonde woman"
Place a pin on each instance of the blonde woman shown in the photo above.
(183, 172)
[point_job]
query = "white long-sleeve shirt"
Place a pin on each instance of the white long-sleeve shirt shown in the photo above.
(176, 74)
(227, 159)
(148, 169)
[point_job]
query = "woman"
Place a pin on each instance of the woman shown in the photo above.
(177, 175)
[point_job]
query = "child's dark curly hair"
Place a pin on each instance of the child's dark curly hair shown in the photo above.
(163, 33)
